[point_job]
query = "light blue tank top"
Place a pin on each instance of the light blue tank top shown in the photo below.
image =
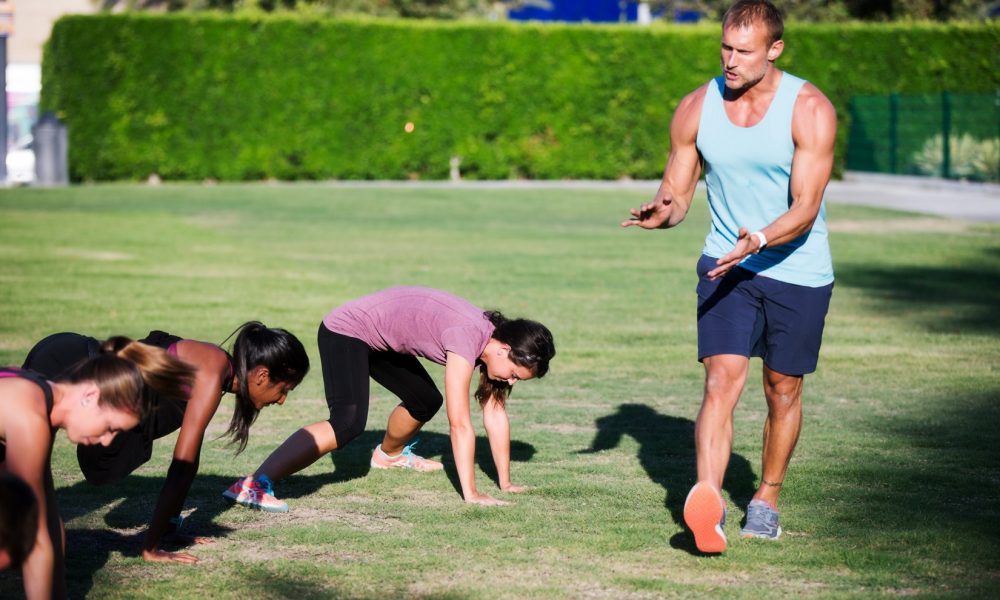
(747, 172)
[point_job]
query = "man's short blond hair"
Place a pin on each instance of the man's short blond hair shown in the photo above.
(745, 13)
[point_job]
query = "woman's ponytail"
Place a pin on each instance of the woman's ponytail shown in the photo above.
(168, 376)
(126, 371)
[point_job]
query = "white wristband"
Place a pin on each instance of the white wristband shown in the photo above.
(761, 240)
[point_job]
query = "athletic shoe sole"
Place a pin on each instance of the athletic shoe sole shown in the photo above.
(758, 536)
(375, 465)
(262, 507)
(702, 513)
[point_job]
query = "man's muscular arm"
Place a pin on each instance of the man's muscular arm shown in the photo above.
(680, 176)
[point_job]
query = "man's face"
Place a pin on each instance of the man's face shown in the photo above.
(746, 55)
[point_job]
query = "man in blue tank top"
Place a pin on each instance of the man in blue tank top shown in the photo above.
(765, 140)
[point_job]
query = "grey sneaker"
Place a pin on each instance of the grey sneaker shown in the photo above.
(762, 521)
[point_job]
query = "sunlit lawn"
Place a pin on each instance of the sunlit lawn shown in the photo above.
(893, 490)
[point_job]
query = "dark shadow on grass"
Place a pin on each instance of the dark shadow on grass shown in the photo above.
(133, 500)
(940, 481)
(960, 298)
(930, 496)
(90, 549)
(352, 461)
(666, 452)
(271, 581)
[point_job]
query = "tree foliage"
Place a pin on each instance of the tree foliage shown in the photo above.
(844, 10)
(413, 9)
(251, 97)
(800, 10)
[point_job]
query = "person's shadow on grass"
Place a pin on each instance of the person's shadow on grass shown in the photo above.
(666, 452)
(133, 499)
(353, 461)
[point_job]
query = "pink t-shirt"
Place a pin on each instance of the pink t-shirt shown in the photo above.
(417, 321)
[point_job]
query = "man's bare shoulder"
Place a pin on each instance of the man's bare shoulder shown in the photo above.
(814, 121)
(692, 102)
(812, 103)
(687, 117)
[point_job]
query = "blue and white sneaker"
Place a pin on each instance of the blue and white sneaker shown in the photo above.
(255, 493)
(762, 521)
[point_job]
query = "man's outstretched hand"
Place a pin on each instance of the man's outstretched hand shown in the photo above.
(651, 215)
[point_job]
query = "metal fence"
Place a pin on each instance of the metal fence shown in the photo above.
(955, 136)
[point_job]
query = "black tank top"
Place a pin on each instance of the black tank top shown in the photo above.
(35, 378)
(167, 341)
(168, 416)
(57, 355)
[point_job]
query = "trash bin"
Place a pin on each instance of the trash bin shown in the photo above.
(51, 146)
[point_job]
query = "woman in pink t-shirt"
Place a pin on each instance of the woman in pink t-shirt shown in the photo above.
(380, 336)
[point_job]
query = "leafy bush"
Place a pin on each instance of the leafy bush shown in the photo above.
(969, 158)
(801, 10)
(195, 96)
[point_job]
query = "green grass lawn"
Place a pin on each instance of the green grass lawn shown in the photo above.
(894, 488)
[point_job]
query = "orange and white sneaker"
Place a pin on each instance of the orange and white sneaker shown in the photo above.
(255, 493)
(404, 460)
(704, 513)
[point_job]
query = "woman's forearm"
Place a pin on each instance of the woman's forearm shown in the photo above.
(463, 446)
(175, 489)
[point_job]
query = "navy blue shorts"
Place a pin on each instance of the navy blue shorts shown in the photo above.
(751, 315)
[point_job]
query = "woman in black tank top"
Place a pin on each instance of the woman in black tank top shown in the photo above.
(265, 365)
(98, 399)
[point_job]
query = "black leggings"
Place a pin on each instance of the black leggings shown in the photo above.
(348, 362)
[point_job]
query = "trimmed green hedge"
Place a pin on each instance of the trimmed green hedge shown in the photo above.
(244, 98)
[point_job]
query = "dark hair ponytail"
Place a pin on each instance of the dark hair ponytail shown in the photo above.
(259, 346)
(531, 346)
